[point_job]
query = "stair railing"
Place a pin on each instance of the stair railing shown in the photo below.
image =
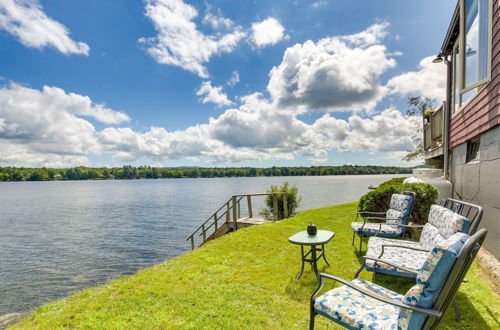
(233, 205)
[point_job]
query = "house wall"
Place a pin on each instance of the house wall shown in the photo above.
(478, 182)
(483, 111)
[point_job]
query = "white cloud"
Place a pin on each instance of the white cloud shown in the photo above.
(26, 20)
(371, 36)
(333, 74)
(179, 42)
(429, 81)
(267, 32)
(213, 94)
(78, 105)
(256, 124)
(45, 126)
(217, 21)
(387, 131)
(24, 156)
(319, 4)
(51, 126)
(235, 78)
(318, 160)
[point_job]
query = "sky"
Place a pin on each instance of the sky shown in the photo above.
(215, 83)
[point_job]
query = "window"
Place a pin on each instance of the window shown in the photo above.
(472, 50)
(476, 22)
(472, 150)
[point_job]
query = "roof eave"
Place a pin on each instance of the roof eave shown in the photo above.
(452, 33)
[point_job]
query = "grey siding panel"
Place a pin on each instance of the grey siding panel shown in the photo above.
(479, 182)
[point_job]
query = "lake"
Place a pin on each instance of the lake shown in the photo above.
(59, 237)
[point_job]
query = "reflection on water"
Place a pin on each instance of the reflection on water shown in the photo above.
(59, 237)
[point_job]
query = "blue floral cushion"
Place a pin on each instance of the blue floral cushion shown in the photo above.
(447, 221)
(371, 228)
(394, 216)
(353, 309)
(430, 236)
(407, 258)
(400, 202)
(432, 277)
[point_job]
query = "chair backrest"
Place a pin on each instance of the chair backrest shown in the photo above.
(440, 277)
(456, 276)
(442, 224)
(471, 211)
(400, 207)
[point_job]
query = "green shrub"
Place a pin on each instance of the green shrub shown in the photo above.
(392, 181)
(378, 200)
(293, 201)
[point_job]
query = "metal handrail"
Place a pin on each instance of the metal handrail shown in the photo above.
(226, 204)
(261, 194)
(234, 204)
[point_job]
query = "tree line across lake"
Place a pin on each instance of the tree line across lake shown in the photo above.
(148, 172)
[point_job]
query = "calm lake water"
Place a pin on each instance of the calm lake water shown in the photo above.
(60, 237)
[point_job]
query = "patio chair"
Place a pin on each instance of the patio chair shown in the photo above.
(442, 223)
(389, 222)
(470, 211)
(359, 304)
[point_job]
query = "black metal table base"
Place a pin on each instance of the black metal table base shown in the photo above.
(313, 260)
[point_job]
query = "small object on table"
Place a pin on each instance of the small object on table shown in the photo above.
(312, 230)
(303, 239)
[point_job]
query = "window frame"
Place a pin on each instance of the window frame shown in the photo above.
(473, 149)
(461, 47)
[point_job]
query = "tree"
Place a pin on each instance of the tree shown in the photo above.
(293, 201)
(418, 106)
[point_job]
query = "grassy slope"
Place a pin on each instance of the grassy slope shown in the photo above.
(242, 280)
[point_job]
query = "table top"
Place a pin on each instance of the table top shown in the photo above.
(302, 238)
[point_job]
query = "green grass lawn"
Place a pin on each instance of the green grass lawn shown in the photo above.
(243, 280)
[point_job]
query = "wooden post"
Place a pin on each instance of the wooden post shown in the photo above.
(204, 233)
(215, 220)
(235, 214)
(285, 205)
(239, 208)
(228, 215)
(249, 201)
(275, 207)
(192, 242)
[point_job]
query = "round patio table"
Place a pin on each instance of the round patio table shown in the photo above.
(303, 239)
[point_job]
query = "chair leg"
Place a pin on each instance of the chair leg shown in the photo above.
(353, 234)
(457, 311)
(360, 244)
(311, 319)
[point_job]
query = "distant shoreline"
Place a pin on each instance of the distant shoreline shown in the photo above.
(17, 174)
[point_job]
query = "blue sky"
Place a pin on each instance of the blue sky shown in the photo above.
(171, 82)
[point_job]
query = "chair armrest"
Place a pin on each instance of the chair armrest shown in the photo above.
(369, 212)
(363, 213)
(391, 264)
(403, 247)
(372, 294)
(377, 218)
(413, 228)
(400, 247)
(401, 225)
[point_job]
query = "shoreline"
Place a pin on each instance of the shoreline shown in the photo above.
(207, 287)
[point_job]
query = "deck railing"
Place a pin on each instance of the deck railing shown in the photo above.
(433, 130)
(233, 207)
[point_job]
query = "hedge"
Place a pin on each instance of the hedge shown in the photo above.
(378, 200)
